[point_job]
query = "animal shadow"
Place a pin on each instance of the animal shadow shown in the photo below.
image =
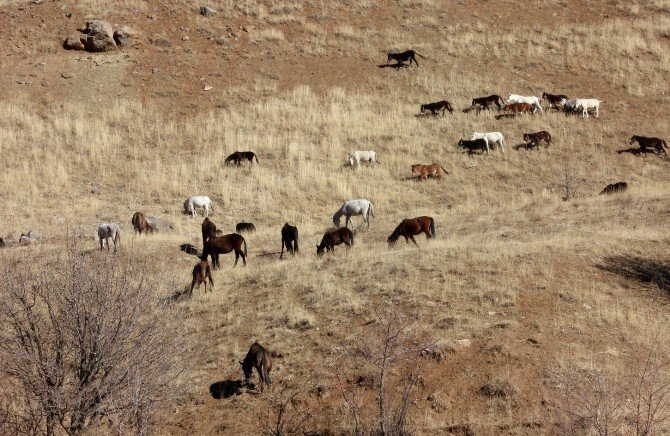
(638, 151)
(228, 388)
(525, 146)
(396, 66)
(501, 116)
(639, 269)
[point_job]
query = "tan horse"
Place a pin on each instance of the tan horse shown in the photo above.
(424, 171)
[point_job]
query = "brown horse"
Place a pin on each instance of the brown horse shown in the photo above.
(140, 223)
(259, 358)
(533, 139)
(413, 226)
(224, 245)
(208, 230)
(201, 272)
(425, 171)
(520, 108)
(484, 102)
(656, 143)
(334, 237)
(289, 239)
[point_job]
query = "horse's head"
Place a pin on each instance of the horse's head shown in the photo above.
(460, 143)
(423, 108)
(633, 139)
(415, 169)
(526, 137)
(319, 250)
(389, 58)
(247, 368)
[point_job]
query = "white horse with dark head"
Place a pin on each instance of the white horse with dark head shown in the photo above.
(198, 201)
(107, 231)
(351, 208)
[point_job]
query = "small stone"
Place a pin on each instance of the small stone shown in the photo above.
(185, 38)
(586, 306)
(465, 343)
(206, 11)
(206, 88)
(67, 75)
(122, 36)
(222, 40)
(73, 42)
(155, 70)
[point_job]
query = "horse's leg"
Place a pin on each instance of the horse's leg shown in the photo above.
(107, 242)
(412, 238)
(244, 258)
(282, 249)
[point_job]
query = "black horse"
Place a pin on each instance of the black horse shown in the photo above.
(289, 239)
(401, 58)
(239, 156)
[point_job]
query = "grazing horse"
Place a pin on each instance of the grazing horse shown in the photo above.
(245, 227)
(202, 271)
(434, 108)
(554, 100)
(107, 231)
(354, 207)
(259, 358)
(656, 143)
(521, 108)
(140, 223)
(208, 230)
(613, 188)
(357, 157)
(289, 239)
(484, 102)
(424, 171)
(413, 226)
(401, 58)
(474, 144)
(224, 245)
(239, 156)
(533, 139)
(532, 100)
(198, 201)
(334, 237)
(492, 139)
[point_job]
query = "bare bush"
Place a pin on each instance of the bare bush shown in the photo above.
(82, 341)
(287, 413)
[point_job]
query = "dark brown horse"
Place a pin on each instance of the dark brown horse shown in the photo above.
(289, 239)
(613, 188)
(434, 108)
(484, 102)
(208, 230)
(140, 223)
(334, 237)
(554, 99)
(224, 245)
(413, 226)
(239, 156)
(656, 143)
(259, 358)
(534, 139)
(202, 271)
(400, 58)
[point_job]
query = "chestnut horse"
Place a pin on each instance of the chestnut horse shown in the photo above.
(208, 230)
(224, 245)
(334, 237)
(259, 358)
(202, 271)
(413, 226)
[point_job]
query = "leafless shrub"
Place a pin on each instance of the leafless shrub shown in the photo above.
(82, 342)
(568, 183)
(651, 397)
(287, 413)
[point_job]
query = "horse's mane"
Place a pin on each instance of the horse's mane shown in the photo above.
(396, 234)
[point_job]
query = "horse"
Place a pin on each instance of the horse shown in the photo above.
(424, 171)
(491, 138)
(365, 156)
(656, 143)
(239, 156)
(198, 201)
(434, 108)
(140, 223)
(354, 207)
(533, 139)
(532, 100)
(400, 58)
(586, 104)
(224, 245)
(484, 102)
(289, 239)
(570, 106)
(259, 358)
(474, 144)
(554, 100)
(413, 226)
(245, 227)
(109, 230)
(208, 230)
(201, 272)
(613, 188)
(334, 237)
(521, 108)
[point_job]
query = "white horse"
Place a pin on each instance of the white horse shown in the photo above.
(351, 208)
(198, 201)
(366, 156)
(570, 105)
(109, 230)
(491, 138)
(531, 100)
(588, 103)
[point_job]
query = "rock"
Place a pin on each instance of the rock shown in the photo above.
(155, 70)
(160, 224)
(74, 42)
(67, 75)
(100, 36)
(206, 88)
(2, 243)
(222, 40)
(206, 11)
(185, 38)
(463, 343)
(34, 235)
(25, 240)
(122, 36)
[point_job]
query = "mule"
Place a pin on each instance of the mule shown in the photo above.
(402, 57)
(357, 157)
(484, 102)
(532, 100)
(198, 201)
(224, 245)
(534, 139)
(208, 230)
(333, 237)
(492, 139)
(614, 188)
(360, 207)
(434, 108)
(289, 239)
(554, 100)
(424, 171)
(259, 358)
(140, 223)
(410, 227)
(107, 231)
(245, 227)
(202, 271)
(238, 156)
(656, 143)
(474, 144)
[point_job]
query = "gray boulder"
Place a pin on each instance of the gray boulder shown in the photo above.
(74, 42)
(99, 36)
(122, 36)
(160, 224)
(206, 11)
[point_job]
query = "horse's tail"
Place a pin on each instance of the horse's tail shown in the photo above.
(447, 172)
(371, 212)
(245, 246)
(421, 56)
(432, 227)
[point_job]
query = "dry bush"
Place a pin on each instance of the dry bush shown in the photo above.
(83, 346)
(287, 411)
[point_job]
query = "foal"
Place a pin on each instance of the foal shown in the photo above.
(201, 272)
(259, 358)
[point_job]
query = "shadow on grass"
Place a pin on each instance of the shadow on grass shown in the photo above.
(227, 388)
(639, 269)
